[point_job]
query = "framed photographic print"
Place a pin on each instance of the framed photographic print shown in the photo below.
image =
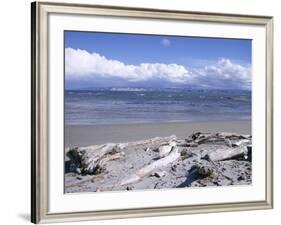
(147, 112)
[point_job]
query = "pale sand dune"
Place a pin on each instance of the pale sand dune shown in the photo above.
(99, 134)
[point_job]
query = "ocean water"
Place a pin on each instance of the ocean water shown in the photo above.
(124, 106)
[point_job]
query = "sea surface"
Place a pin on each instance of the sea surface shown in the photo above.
(136, 105)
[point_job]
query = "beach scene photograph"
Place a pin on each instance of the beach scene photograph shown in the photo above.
(152, 112)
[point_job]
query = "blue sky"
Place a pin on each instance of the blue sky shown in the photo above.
(124, 60)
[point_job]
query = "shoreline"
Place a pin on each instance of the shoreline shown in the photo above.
(83, 135)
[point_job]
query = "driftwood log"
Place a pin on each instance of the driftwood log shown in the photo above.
(149, 169)
(90, 159)
(229, 139)
(152, 141)
(226, 154)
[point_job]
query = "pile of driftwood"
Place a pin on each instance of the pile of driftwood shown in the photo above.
(240, 145)
(92, 160)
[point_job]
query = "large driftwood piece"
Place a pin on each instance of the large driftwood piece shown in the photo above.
(104, 160)
(91, 158)
(152, 141)
(88, 157)
(233, 136)
(147, 170)
(225, 154)
(223, 137)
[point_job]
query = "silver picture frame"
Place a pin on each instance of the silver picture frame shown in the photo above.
(39, 90)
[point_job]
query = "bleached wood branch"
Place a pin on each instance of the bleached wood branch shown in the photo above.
(147, 170)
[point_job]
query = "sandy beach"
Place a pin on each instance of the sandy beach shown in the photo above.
(83, 135)
(155, 156)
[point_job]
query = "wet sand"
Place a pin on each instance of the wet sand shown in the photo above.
(83, 135)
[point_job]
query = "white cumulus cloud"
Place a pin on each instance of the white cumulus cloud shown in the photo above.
(82, 64)
(224, 74)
